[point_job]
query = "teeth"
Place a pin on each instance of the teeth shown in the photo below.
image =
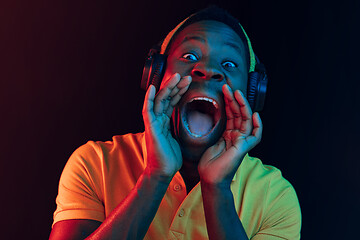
(188, 129)
(206, 99)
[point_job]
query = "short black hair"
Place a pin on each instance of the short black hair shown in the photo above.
(217, 14)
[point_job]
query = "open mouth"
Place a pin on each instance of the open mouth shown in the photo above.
(200, 116)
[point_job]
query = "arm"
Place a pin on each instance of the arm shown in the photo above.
(221, 217)
(217, 167)
(125, 221)
(133, 216)
(282, 218)
(219, 163)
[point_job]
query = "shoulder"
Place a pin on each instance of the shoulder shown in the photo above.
(118, 142)
(133, 140)
(254, 171)
(281, 208)
(269, 181)
(94, 152)
(95, 158)
(83, 185)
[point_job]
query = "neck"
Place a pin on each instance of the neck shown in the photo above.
(190, 174)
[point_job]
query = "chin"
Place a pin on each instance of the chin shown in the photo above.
(198, 122)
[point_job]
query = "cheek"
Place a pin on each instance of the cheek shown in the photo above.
(239, 83)
(173, 66)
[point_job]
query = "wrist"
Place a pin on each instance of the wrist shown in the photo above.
(157, 175)
(223, 186)
(213, 180)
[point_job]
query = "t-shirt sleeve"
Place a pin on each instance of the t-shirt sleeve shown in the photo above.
(80, 186)
(282, 212)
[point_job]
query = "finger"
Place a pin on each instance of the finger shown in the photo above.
(233, 104)
(166, 81)
(175, 90)
(255, 138)
(179, 88)
(183, 86)
(229, 116)
(232, 108)
(258, 126)
(162, 99)
(147, 111)
(245, 125)
(218, 148)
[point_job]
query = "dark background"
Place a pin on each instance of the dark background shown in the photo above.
(70, 72)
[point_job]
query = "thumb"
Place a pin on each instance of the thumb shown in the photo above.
(215, 150)
(148, 107)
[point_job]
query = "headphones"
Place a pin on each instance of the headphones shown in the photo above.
(155, 66)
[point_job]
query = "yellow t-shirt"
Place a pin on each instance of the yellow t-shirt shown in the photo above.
(99, 175)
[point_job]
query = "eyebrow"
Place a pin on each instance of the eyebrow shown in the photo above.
(235, 46)
(200, 39)
(189, 38)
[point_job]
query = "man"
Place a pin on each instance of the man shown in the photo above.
(188, 176)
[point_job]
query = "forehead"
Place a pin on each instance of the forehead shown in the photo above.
(209, 31)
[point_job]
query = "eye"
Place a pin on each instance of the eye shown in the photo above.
(228, 64)
(190, 56)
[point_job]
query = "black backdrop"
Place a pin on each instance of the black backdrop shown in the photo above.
(70, 72)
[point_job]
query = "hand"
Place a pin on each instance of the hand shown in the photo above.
(163, 152)
(243, 132)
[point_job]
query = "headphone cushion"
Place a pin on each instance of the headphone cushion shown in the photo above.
(252, 88)
(157, 70)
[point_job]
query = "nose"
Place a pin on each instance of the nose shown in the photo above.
(207, 71)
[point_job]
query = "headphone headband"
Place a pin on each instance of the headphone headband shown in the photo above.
(215, 16)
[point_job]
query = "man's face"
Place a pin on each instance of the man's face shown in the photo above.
(213, 55)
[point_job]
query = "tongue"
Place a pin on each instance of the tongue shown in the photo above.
(199, 123)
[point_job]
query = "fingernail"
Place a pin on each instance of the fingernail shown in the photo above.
(242, 94)
(228, 87)
(176, 75)
(188, 77)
